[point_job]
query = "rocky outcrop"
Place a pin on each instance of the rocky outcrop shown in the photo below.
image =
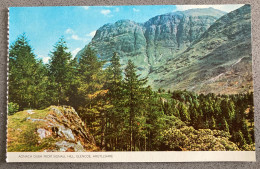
(55, 129)
(152, 43)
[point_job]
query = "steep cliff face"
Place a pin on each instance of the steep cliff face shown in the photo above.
(124, 37)
(55, 129)
(219, 61)
(170, 34)
(152, 43)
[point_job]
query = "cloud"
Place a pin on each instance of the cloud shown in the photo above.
(69, 31)
(44, 59)
(226, 8)
(92, 34)
(75, 51)
(85, 7)
(75, 37)
(105, 11)
(136, 10)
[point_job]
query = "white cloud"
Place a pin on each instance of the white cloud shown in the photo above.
(136, 10)
(75, 37)
(85, 7)
(92, 34)
(44, 59)
(105, 11)
(117, 10)
(226, 8)
(75, 51)
(69, 31)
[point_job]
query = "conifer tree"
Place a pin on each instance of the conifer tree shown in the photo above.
(59, 72)
(245, 131)
(251, 115)
(184, 112)
(27, 76)
(133, 98)
(239, 138)
(91, 93)
(115, 92)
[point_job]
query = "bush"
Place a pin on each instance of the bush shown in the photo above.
(189, 139)
(12, 108)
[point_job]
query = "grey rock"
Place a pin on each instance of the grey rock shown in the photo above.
(152, 43)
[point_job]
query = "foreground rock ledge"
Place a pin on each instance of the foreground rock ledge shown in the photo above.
(55, 129)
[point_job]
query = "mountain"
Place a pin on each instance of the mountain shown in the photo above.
(55, 129)
(220, 61)
(201, 50)
(152, 43)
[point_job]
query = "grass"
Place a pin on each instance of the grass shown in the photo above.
(22, 133)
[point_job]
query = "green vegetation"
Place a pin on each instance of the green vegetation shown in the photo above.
(119, 109)
(12, 108)
(22, 134)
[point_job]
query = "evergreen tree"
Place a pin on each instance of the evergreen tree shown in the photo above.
(225, 125)
(239, 138)
(245, 131)
(26, 76)
(115, 93)
(251, 115)
(91, 93)
(184, 112)
(133, 98)
(59, 72)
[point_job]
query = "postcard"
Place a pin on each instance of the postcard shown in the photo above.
(150, 83)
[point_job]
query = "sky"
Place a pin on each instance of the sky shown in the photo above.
(44, 26)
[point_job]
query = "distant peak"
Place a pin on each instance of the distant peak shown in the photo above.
(123, 20)
(204, 11)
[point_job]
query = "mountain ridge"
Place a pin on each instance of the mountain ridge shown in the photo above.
(144, 43)
(165, 45)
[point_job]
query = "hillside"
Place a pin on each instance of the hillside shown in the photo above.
(220, 61)
(151, 43)
(55, 129)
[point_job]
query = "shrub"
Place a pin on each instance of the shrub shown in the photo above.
(12, 108)
(189, 139)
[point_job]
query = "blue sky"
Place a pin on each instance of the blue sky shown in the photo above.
(45, 25)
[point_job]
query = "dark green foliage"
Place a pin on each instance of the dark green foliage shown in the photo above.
(115, 116)
(133, 102)
(223, 112)
(12, 108)
(92, 104)
(27, 76)
(185, 116)
(60, 72)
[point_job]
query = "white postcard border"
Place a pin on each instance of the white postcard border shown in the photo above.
(150, 156)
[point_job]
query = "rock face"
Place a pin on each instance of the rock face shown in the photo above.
(55, 129)
(220, 61)
(152, 43)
